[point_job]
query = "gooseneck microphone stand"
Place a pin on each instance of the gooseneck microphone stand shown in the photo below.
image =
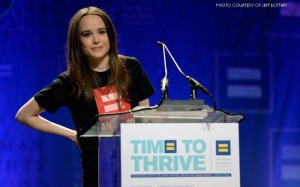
(195, 85)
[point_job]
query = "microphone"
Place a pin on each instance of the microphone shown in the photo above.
(194, 83)
(164, 87)
(164, 81)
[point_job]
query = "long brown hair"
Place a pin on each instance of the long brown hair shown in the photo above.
(84, 77)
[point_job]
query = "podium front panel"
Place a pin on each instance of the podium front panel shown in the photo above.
(180, 154)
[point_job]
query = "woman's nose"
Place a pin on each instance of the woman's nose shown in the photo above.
(96, 40)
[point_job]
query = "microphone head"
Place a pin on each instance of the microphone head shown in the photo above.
(164, 84)
(195, 84)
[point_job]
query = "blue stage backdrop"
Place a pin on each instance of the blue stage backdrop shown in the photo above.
(248, 57)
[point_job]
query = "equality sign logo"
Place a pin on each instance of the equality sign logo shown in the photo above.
(170, 146)
(223, 147)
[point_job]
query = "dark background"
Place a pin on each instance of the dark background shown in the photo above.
(247, 57)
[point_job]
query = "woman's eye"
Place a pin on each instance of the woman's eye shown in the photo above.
(102, 31)
(85, 34)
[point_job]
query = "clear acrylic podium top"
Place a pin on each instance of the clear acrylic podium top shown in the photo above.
(170, 111)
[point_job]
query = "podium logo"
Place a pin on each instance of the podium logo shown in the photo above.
(170, 146)
(223, 147)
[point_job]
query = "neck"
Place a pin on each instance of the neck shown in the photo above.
(99, 65)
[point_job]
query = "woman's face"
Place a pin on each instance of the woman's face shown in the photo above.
(94, 39)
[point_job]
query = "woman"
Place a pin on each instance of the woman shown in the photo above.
(95, 71)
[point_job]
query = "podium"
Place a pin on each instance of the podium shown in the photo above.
(179, 143)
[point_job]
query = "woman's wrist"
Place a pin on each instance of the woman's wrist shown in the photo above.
(73, 137)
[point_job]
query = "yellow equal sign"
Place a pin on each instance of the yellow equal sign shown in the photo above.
(170, 146)
(223, 148)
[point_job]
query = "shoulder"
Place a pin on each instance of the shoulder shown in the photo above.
(62, 82)
(59, 93)
(131, 62)
(130, 59)
(63, 78)
(64, 75)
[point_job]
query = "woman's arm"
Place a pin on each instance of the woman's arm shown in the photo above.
(144, 102)
(28, 115)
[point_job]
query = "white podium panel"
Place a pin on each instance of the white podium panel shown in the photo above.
(180, 154)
